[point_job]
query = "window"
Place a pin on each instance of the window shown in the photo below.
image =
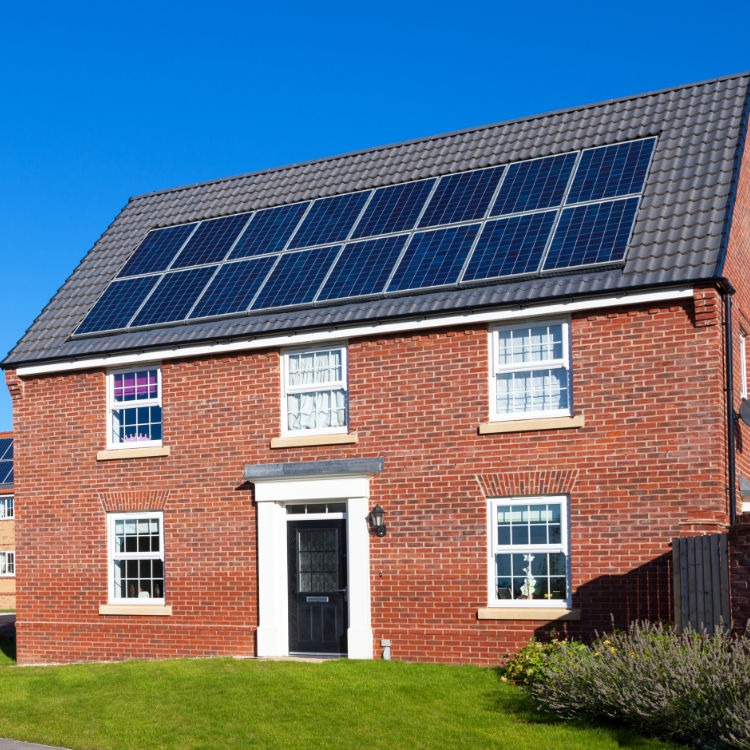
(315, 391)
(530, 370)
(134, 408)
(7, 564)
(136, 554)
(6, 506)
(529, 552)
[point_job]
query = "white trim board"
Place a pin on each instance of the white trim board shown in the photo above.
(361, 331)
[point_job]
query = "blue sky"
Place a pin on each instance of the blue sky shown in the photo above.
(102, 101)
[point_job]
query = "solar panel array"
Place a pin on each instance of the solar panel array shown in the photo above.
(6, 460)
(557, 212)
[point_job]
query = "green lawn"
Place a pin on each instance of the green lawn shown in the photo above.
(227, 703)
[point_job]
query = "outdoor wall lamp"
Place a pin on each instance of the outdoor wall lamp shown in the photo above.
(377, 520)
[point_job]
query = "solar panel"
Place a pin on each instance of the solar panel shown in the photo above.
(6, 460)
(394, 209)
(269, 231)
(595, 233)
(156, 251)
(233, 288)
(510, 246)
(330, 219)
(363, 268)
(211, 241)
(542, 215)
(118, 304)
(174, 296)
(296, 278)
(434, 258)
(532, 185)
(609, 171)
(461, 197)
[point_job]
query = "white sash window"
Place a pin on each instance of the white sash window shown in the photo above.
(315, 391)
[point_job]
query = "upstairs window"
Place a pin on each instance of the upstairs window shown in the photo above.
(136, 552)
(529, 552)
(7, 564)
(135, 418)
(315, 391)
(6, 506)
(530, 370)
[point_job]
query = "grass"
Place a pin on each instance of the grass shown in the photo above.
(227, 703)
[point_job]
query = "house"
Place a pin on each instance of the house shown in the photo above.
(419, 402)
(7, 525)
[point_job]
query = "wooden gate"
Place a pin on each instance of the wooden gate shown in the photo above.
(700, 568)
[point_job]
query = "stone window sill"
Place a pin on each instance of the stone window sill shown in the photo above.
(118, 453)
(153, 610)
(546, 614)
(530, 425)
(303, 441)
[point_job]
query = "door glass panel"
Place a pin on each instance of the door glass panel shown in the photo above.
(317, 560)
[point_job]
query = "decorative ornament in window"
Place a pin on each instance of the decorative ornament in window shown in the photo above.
(135, 411)
(136, 544)
(529, 551)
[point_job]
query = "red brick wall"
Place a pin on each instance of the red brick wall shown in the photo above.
(648, 465)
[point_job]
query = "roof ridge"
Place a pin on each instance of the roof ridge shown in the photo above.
(436, 137)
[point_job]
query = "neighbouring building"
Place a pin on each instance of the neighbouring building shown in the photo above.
(523, 343)
(7, 525)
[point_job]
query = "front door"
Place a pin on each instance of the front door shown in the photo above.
(317, 586)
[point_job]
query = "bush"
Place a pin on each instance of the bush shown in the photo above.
(530, 664)
(692, 688)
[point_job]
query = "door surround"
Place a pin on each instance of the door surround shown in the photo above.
(276, 485)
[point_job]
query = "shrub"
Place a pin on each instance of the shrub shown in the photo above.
(530, 664)
(693, 688)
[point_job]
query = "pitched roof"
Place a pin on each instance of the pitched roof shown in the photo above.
(679, 235)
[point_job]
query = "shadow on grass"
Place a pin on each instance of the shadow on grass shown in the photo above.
(7, 649)
(516, 703)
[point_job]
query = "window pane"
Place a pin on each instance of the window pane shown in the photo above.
(316, 410)
(531, 576)
(533, 344)
(531, 391)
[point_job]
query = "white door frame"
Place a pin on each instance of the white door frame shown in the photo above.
(307, 482)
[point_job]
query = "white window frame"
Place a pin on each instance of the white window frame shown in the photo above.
(494, 548)
(333, 385)
(743, 364)
(496, 368)
(113, 556)
(7, 508)
(7, 564)
(114, 406)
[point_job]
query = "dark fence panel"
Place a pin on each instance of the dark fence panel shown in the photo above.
(701, 582)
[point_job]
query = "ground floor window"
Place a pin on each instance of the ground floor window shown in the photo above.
(529, 551)
(136, 552)
(7, 563)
